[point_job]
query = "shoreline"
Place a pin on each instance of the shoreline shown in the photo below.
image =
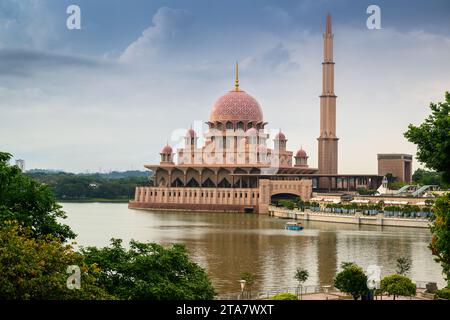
(377, 220)
(93, 200)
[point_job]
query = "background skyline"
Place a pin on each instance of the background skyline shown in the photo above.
(139, 74)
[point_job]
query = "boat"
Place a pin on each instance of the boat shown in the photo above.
(293, 225)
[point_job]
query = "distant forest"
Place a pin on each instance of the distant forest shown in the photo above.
(118, 186)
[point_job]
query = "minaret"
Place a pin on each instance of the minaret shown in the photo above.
(328, 142)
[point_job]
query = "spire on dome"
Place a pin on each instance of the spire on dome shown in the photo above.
(236, 82)
(328, 28)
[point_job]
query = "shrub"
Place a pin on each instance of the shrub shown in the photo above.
(398, 285)
(284, 296)
(443, 293)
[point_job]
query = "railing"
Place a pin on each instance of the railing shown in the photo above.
(311, 289)
(267, 293)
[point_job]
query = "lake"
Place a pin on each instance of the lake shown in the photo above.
(227, 244)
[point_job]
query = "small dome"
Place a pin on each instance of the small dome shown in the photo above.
(301, 154)
(166, 150)
(251, 132)
(236, 106)
(280, 136)
(191, 133)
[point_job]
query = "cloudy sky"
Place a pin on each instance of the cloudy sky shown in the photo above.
(139, 73)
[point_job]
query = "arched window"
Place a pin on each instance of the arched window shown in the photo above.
(229, 125)
(192, 183)
(240, 125)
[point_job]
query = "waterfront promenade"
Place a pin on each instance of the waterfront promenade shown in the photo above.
(357, 218)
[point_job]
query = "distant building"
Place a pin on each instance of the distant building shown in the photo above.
(21, 164)
(397, 164)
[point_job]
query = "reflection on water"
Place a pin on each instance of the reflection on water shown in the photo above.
(228, 244)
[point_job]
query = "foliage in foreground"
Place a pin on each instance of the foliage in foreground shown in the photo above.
(29, 202)
(351, 280)
(35, 268)
(432, 138)
(284, 296)
(148, 271)
(440, 229)
(443, 293)
(397, 285)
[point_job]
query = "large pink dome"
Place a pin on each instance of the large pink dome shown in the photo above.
(236, 106)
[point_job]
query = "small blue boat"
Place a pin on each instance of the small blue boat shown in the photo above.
(295, 226)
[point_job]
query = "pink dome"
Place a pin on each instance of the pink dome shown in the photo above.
(236, 106)
(191, 133)
(280, 136)
(301, 154)
(251, 132)
(166, 150)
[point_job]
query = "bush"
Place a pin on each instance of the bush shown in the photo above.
(351, 280)
(284, 296)
(443, 293)
(149, 271)
(398, 285)
(36, 268)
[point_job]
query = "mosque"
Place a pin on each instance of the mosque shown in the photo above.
(236, 171)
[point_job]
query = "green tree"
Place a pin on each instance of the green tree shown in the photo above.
(403, 266)
(425, 177)
(351, 280)
(249, 280)
(29, 202)
(149, 271)
(35, 268)
(301, 275)
(440, 229)
(432, 138)
(397, 285)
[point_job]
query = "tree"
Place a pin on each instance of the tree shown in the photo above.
(425, 177)
(433, 148)
(440, 229)
(35, 268)
(301, 275)
(351, 280)
(403, 266)
(29, 202)
(432, 138)
(397, 285)
(149, 271)
(249, 280)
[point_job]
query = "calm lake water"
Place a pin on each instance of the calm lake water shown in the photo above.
(227, 244)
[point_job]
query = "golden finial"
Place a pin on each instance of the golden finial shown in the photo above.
(236, 82)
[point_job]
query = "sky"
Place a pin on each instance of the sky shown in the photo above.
(138, 74)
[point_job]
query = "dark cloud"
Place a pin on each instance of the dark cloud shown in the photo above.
(20, 62)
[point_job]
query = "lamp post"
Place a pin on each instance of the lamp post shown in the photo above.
(242, 282)
(326, 288)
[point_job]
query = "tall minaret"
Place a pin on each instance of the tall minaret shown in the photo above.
(328, 142)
